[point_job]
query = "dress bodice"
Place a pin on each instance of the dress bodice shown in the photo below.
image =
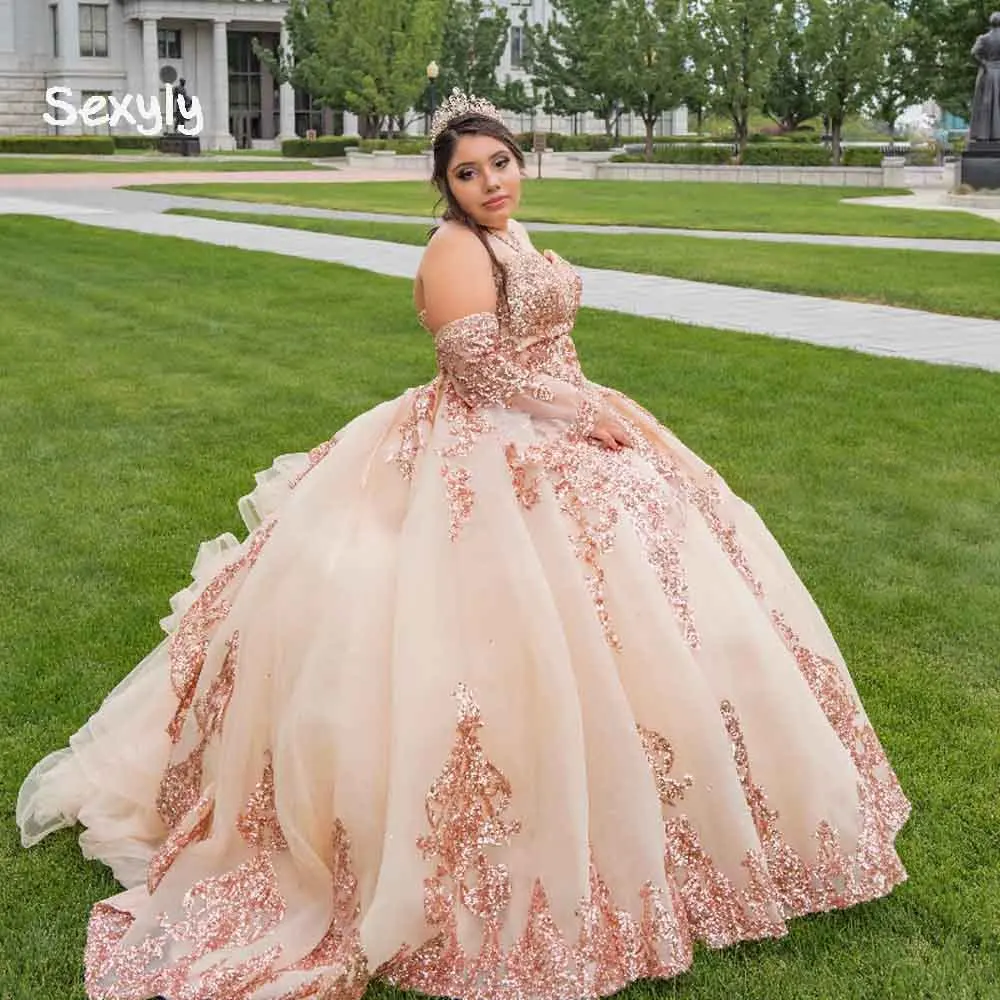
(543, 294)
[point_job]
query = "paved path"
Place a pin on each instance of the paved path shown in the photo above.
(105, 191)
(872, 329)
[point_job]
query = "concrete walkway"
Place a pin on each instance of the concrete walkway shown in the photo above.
(872, 329)
(106, 192)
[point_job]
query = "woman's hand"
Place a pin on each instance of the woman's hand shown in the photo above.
(610, 432)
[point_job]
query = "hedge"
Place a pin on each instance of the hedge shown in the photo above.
(680, 154)
(28, 144)
(136, 141)
(314, 149)
(404, 147)
(862, 157)
(792, 155)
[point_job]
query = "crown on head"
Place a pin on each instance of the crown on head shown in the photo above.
(460, 104)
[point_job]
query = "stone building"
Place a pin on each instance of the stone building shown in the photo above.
(115, 48)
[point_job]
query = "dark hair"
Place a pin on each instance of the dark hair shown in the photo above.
(470, 123)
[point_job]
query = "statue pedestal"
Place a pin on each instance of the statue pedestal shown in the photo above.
(981, 165)
(177, 142)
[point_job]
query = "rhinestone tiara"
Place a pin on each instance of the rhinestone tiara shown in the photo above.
(457, 104)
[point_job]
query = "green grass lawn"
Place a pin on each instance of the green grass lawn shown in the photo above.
(683, 204)
(130, 164)
(141, 390)
(934, 281)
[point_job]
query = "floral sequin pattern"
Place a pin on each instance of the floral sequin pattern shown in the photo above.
(258, 824)
(188, 653)
(414, 429)
(880, 786)
(466, 810)
(834, 877)
(597, 490)
(227, 913)
(220, 945)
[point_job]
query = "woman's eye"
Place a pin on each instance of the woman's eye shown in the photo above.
(502, 162)
(464, 175)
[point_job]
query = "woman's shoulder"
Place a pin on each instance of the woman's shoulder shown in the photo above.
(455, 249)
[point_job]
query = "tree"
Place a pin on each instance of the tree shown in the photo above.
(651, 39)
(904, 80)
(573, 60)
(943, 45)
(790, 97)
(740, 56)
(472, 44)
(848, 41)
(367, 56)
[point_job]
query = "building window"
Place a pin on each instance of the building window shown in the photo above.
(168, 43)
(93, 29)
(245, 105)
(308, 114)
(54, 25)
(517, 46)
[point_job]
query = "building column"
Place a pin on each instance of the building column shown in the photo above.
(68, 18)
(150, 59)
(221, 139)
(286, 93)
(267, 128)
(68, 27)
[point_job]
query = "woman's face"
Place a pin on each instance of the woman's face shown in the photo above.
(485, 180)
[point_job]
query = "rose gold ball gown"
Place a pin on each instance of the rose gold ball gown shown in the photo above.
(479, 708)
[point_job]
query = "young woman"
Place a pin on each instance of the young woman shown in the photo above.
(505, 695)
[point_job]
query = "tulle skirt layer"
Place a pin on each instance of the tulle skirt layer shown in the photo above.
(479, 709)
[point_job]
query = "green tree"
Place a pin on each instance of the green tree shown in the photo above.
(651, 41)
(473, 40)
(740, 56)
(790, 97)
(848, 42)
(573, 61)
(947, 30)
(366, 56)
(904, 79)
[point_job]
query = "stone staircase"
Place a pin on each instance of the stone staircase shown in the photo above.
(22, 103)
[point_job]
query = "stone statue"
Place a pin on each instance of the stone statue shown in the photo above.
(181, 94)
(985, 123)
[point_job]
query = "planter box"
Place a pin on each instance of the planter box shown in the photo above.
(817, 176)
(389, 160)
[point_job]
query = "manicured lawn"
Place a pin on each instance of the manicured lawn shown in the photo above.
(686, 205)
(936, 282)
(143, 385)
(131, 164)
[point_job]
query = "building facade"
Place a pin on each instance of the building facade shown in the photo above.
(114, 48)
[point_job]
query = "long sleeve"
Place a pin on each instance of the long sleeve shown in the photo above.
(475, 356)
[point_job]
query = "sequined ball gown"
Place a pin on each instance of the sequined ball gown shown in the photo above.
(479, 708)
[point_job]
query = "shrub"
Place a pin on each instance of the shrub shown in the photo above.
(785, 137)
(323, 146)
(28, 144)
(717, 155)
(922, 156)
(561, 143)
(793, 155)
(136, 141)
(862, 157)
